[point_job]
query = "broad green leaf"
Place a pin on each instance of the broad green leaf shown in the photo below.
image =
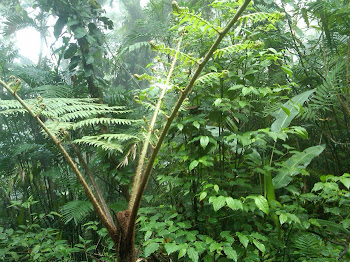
(180, 126)
(287, 70)
(243, 239)
(35, 249)
(61, 22)
(90, 59)
(345, 180)
(80, 32)
(151, 248)
(282, 119)
(259, 245)
(230, 253)
(196, 124)
(286, 110)
(283, 218)
(295, 164)
(202, 196)
(293, 217)
(217, 102)
(305, 17)
(192, 254)
(346, 223)
(261, 203)
(208, 240)
(318, 186)
(191, 236)
(148, 235)
(182, 252)
(246, 90)
(171, 247)
(216, 188)
(200, 246)
(227, 235)
(235, 87)
(214, 246)
(234, 204)
(204, 141)
(70, 51)
(193, 164)
(219, 202)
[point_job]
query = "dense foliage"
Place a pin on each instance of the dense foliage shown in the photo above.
(254, 165)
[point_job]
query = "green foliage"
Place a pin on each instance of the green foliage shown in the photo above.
(234, 181)
(76, 210)
(33, 243)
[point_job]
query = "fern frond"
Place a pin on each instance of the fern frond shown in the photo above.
(309, 113)
(261, 16)
(103, 120)
(211, 77)
(195, 19)
(52, 91)
(64, 108)
(99, 141)
(150, 79)
(14, 23)
(238, 47)
(136, 46)
(326, 94)
(171, 51)
(308, 245)
(76, 210)
(13, 111)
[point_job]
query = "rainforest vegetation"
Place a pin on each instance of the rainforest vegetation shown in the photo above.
(193, 130)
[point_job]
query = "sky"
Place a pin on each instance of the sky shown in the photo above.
(28, 44)
(28, 40)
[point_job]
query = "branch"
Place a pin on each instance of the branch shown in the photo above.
(136, 203)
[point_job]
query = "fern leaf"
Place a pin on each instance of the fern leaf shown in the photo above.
(98, 141)
(76, 210)
(103, 120)
(171, 51)
(261, 16)
(210, 77)
(195, 20)
(237, 47)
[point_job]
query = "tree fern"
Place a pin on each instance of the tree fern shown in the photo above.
(64, 114)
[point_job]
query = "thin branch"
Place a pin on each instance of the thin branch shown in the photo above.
(134, 208)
